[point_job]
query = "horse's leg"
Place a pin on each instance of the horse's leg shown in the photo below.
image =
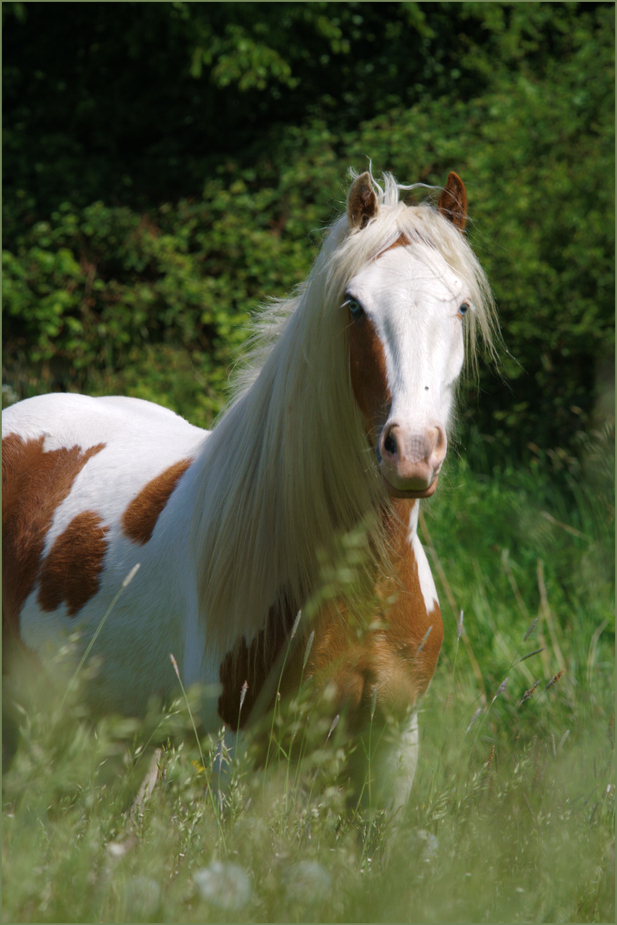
(396, 767)
(147, 785)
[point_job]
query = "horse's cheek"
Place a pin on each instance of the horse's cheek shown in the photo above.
(369, 377)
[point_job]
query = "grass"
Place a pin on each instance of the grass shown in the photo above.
(511, 816)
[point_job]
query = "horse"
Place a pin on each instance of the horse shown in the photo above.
(338, 422)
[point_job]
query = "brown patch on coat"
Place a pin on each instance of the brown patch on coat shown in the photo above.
(369, 376)
(34, 484)
(394, 657)
(72, 568)
(253, 664)
(140, 517)
(409, 619)
(453, 201)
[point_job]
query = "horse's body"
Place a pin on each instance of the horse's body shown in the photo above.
(341, 417)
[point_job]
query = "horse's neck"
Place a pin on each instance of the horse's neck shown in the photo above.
(278, 482)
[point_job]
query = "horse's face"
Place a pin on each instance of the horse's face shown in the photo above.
(406, 312)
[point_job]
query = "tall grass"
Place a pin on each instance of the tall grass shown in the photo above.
(511, 816)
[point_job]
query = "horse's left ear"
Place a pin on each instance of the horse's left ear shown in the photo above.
(453, 201)
(361, 201)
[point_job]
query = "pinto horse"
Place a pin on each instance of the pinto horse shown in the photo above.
(339, 419)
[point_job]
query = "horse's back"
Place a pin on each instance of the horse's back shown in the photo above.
(72, 451)
(72, 419)
(86, 483)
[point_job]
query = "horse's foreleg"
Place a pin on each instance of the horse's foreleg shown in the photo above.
(396, 767)
(147, 785)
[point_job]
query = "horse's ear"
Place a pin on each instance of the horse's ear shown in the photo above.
(361, 201)
(453, 201)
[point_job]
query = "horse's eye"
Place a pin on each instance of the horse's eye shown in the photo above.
(354, 307)
(463, 309)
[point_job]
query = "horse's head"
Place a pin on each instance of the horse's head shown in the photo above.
(407, 309)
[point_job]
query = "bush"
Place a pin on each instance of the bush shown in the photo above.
(105, 296)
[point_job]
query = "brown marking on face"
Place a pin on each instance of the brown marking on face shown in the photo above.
(71, 570)
(253, 664)
(392, 659)
(369, 377)
(401, 241)
(367, 364)
(140, 517)
(34, 484)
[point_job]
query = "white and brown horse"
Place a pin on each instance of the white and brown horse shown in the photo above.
(341, 413)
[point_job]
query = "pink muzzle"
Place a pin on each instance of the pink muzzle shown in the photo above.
(411, 458)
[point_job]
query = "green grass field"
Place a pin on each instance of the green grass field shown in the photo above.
(511, 817)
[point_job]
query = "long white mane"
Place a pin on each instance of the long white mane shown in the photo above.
(288, 468)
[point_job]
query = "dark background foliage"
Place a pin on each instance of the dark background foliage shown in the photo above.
(169, 165)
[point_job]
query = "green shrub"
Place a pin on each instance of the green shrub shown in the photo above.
(94, 293)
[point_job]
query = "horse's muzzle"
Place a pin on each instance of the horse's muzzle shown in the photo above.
(410, 459)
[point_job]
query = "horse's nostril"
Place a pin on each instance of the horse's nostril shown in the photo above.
(390, 444)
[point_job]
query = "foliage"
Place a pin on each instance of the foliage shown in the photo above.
(167, 167)
(511, 817)
(135, 252)
(107, 289)
(152, 94)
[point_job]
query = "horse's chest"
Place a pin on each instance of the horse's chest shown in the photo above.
(389, 648)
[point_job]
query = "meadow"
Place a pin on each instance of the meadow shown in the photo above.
(134, 251)
(511, 817)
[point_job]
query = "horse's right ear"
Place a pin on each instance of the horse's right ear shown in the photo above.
(453, 201)
(361, 201)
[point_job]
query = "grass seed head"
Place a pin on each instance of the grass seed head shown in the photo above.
(530, 630)
(528, 693)
(555, 679)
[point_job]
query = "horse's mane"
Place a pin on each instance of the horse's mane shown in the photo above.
(287, 468)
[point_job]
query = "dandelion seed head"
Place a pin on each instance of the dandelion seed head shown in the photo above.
(307, 882)
(428, 843)
(143, 895)
(224, 884)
